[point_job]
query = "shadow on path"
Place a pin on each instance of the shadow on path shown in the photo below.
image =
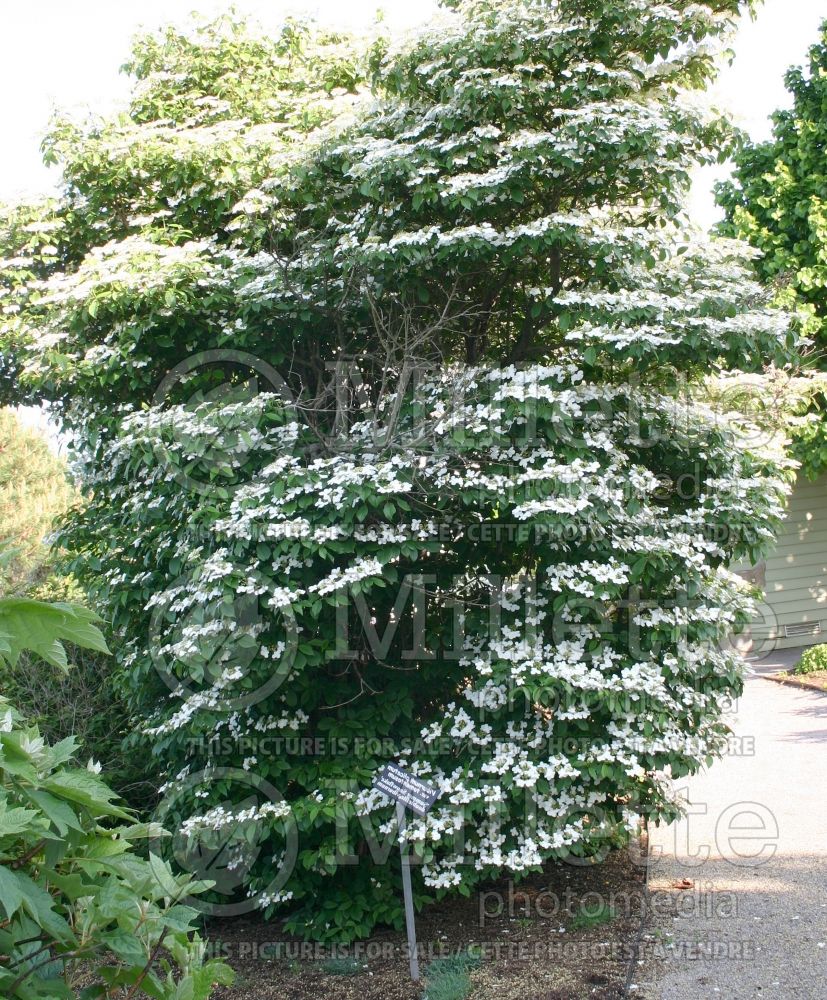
(752, 852)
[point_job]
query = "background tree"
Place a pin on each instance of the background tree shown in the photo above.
(778, 202)
(35, 491)
(466, 261)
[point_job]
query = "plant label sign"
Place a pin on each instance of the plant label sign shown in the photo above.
(411, 792)
(402, 787)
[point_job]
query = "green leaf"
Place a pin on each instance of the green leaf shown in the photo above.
(41, 627)
(40, 906)
(163, 876)
(16, 820)
(126, 946)
(59, 812)
(87, 789)
(11, 891)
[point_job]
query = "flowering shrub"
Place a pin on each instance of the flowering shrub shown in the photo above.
(562, 714)
(83, 913)
(387, 458)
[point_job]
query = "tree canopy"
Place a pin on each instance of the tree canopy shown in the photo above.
(778, 202)
(34, 490)
(484, 173)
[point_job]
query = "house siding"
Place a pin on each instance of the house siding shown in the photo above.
(796, 571)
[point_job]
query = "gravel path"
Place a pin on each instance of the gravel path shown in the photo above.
(752, 918)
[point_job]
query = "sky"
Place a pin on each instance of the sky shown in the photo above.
(67, 53)
(753, 86)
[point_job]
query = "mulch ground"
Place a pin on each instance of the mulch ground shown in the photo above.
(565, 933)
(812, 682)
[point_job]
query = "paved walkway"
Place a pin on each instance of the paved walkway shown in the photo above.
(752, 920)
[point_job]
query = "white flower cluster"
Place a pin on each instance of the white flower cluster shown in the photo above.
(223, 818)
(339, 579)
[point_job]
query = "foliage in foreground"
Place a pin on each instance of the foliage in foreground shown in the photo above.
(778, 202)
(81, 913)
(510, 574)
(82, 702)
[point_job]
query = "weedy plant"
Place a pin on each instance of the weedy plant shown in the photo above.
(593, 917)
(813, 660)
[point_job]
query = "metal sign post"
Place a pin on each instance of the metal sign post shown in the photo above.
(411, 792)
(407, 892)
